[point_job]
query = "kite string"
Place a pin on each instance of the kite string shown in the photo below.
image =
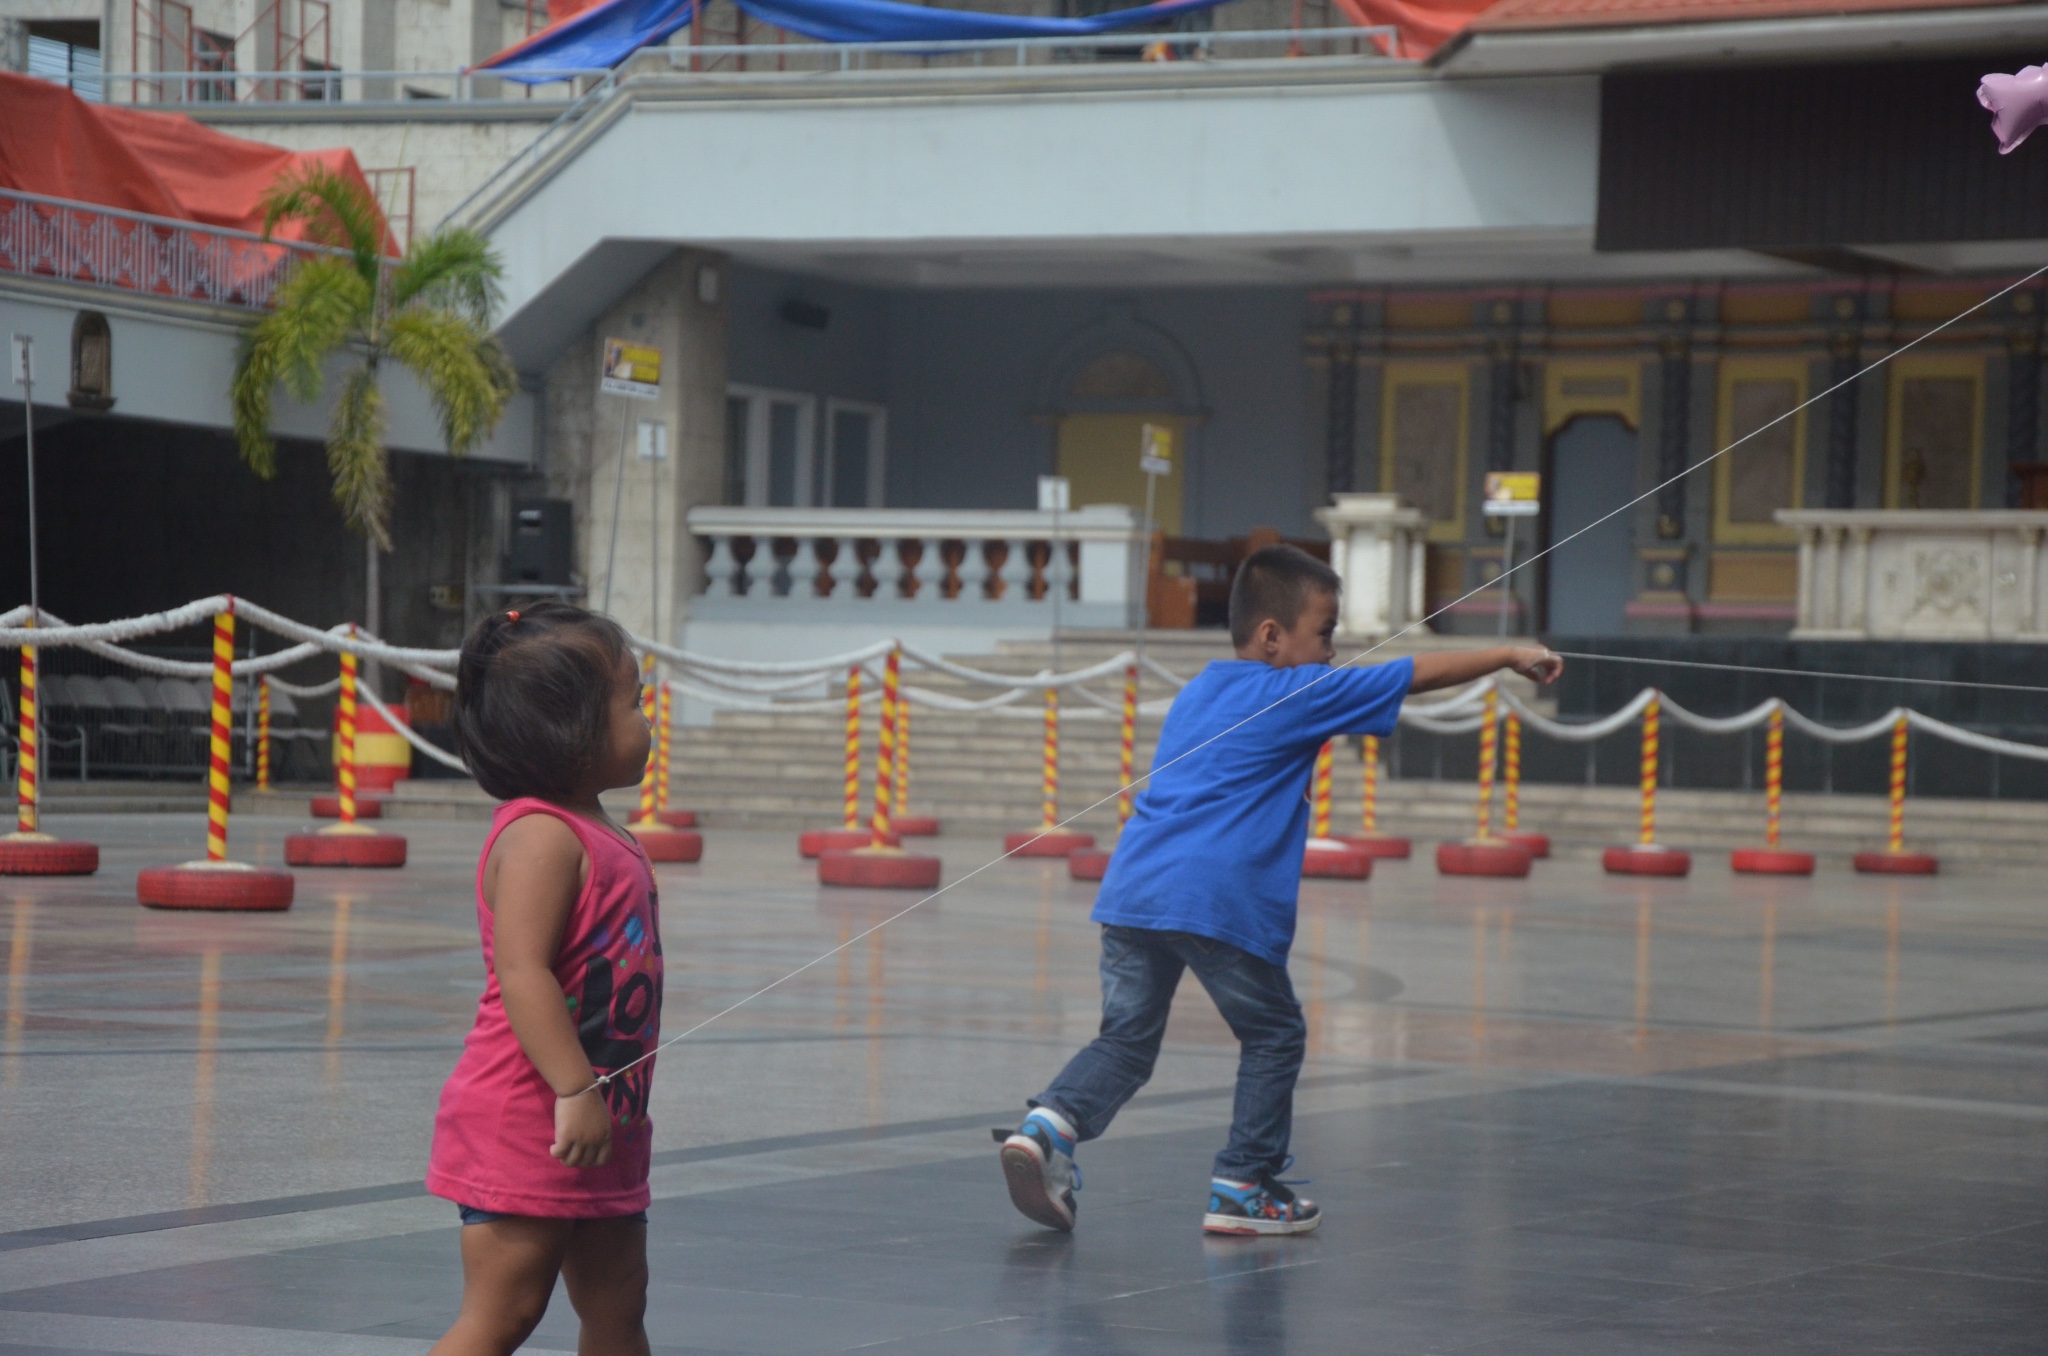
(1377, 646)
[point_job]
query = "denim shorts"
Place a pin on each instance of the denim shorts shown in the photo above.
(472, 1215)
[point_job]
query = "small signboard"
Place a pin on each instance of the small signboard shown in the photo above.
(1052, 494)
(1513, 494)
(1155, 450)
(632, 370)
(23, 364)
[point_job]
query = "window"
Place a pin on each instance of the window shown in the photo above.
(213, 52)
(1422, 442)
(1934, 432)
(321, 87)
(857, 435)
(1764, 469)
(67, 52)
(777, 452)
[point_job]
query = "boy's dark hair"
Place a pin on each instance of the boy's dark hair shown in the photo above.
(533, 694)
(1275, 581)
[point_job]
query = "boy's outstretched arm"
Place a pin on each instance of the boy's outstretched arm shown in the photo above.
(1455, 667)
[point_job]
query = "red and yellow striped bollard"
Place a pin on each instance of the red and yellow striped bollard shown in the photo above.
(1485, 853)
(1127, 749)
(1369, 839)
(906, 824)
(28, 851)
(660, 841)
(1645, 857)
(1770, 859)
(1511, 791)
(1093, 863)
(851, 833)
(664, 738)
(347, 843)
(1324, 855)
(1048, 839)
(1489, 745)
(263, 733)
(216, 882)
(1895, 860)
(882, 864)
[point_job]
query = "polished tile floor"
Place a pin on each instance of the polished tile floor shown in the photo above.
(1566, 1115)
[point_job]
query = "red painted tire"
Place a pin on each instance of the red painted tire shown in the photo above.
(329, 807)
(677, 819)
(1052, 843)
(344, 849)
(47, 857)
(878, 870)
(1770, 862)
(1088, 864)
(915, 826)
(1897, 863)
(1537, 843)
(812, 842)
(671, 845)
(1493, 857)
(1336, 864)
(1646, 861)
(1379, 846)
(196, 887)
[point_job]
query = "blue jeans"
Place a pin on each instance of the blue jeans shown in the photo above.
(1140, 970)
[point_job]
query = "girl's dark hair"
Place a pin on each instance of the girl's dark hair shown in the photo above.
(533, 693)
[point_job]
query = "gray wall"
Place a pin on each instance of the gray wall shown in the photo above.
(964, 373)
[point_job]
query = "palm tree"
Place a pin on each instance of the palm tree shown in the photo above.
(429, 311)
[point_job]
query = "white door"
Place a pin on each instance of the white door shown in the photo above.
(776, 452)
(856, 436)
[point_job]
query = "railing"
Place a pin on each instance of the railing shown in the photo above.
(1920, 574)
(963, 566)
(98, 246)
(315, 83)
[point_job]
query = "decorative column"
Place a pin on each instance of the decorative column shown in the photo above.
(1841, 455)
(2022, 398)
(1672, 435)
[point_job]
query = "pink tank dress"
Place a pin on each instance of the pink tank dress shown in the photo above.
(497, 1115)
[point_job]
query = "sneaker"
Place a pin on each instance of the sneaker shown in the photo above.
(1267, 1206)
(1038, 1163)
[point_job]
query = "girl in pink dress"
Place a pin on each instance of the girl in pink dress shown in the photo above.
(548, 1165)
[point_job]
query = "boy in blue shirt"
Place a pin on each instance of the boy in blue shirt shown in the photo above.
(1204, 878)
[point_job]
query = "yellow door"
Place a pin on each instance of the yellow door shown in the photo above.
(1099, 455)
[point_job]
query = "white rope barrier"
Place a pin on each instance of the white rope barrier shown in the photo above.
(762, 686)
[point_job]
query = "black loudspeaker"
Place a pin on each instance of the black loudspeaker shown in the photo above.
(543, 542)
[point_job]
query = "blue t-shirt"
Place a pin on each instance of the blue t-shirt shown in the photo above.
(1214, 844)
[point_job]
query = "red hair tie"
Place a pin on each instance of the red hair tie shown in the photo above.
(512, 614)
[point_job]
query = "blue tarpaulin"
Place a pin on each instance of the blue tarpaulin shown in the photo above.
(608, 33)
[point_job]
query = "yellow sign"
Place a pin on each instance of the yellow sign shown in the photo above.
(1513, 494)
(1155, 450)
(631, 370)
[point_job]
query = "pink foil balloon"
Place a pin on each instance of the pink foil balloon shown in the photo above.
(2018, 104)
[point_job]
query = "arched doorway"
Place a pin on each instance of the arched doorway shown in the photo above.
(1103, 385)
(1098, 451)
(1590, 579)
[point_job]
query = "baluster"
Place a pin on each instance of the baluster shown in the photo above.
(721, 572)
(889, 570)
(931, 571)
(1059, 573)
(974, 571)
(1017, 572)
(803, 569)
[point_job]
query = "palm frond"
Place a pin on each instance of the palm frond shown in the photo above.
(463, 368)
(321, 306)
(249, 394)
(356, 458)
(337, 211)
(454, 269)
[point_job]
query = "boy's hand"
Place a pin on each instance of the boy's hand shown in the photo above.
(1536, 663)
(583, 1130)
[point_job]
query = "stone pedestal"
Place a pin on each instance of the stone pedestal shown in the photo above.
(1376, 547)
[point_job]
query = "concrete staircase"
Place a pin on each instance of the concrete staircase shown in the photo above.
(980, 773)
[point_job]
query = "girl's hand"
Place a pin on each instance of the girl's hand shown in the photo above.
(1536, 663)
(583, 1130)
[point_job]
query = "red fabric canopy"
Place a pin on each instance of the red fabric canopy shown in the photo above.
(54, 143)
(1425, 24)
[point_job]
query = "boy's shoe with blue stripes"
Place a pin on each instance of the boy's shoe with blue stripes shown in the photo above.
(1038, 1163)
(1267, 1206)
